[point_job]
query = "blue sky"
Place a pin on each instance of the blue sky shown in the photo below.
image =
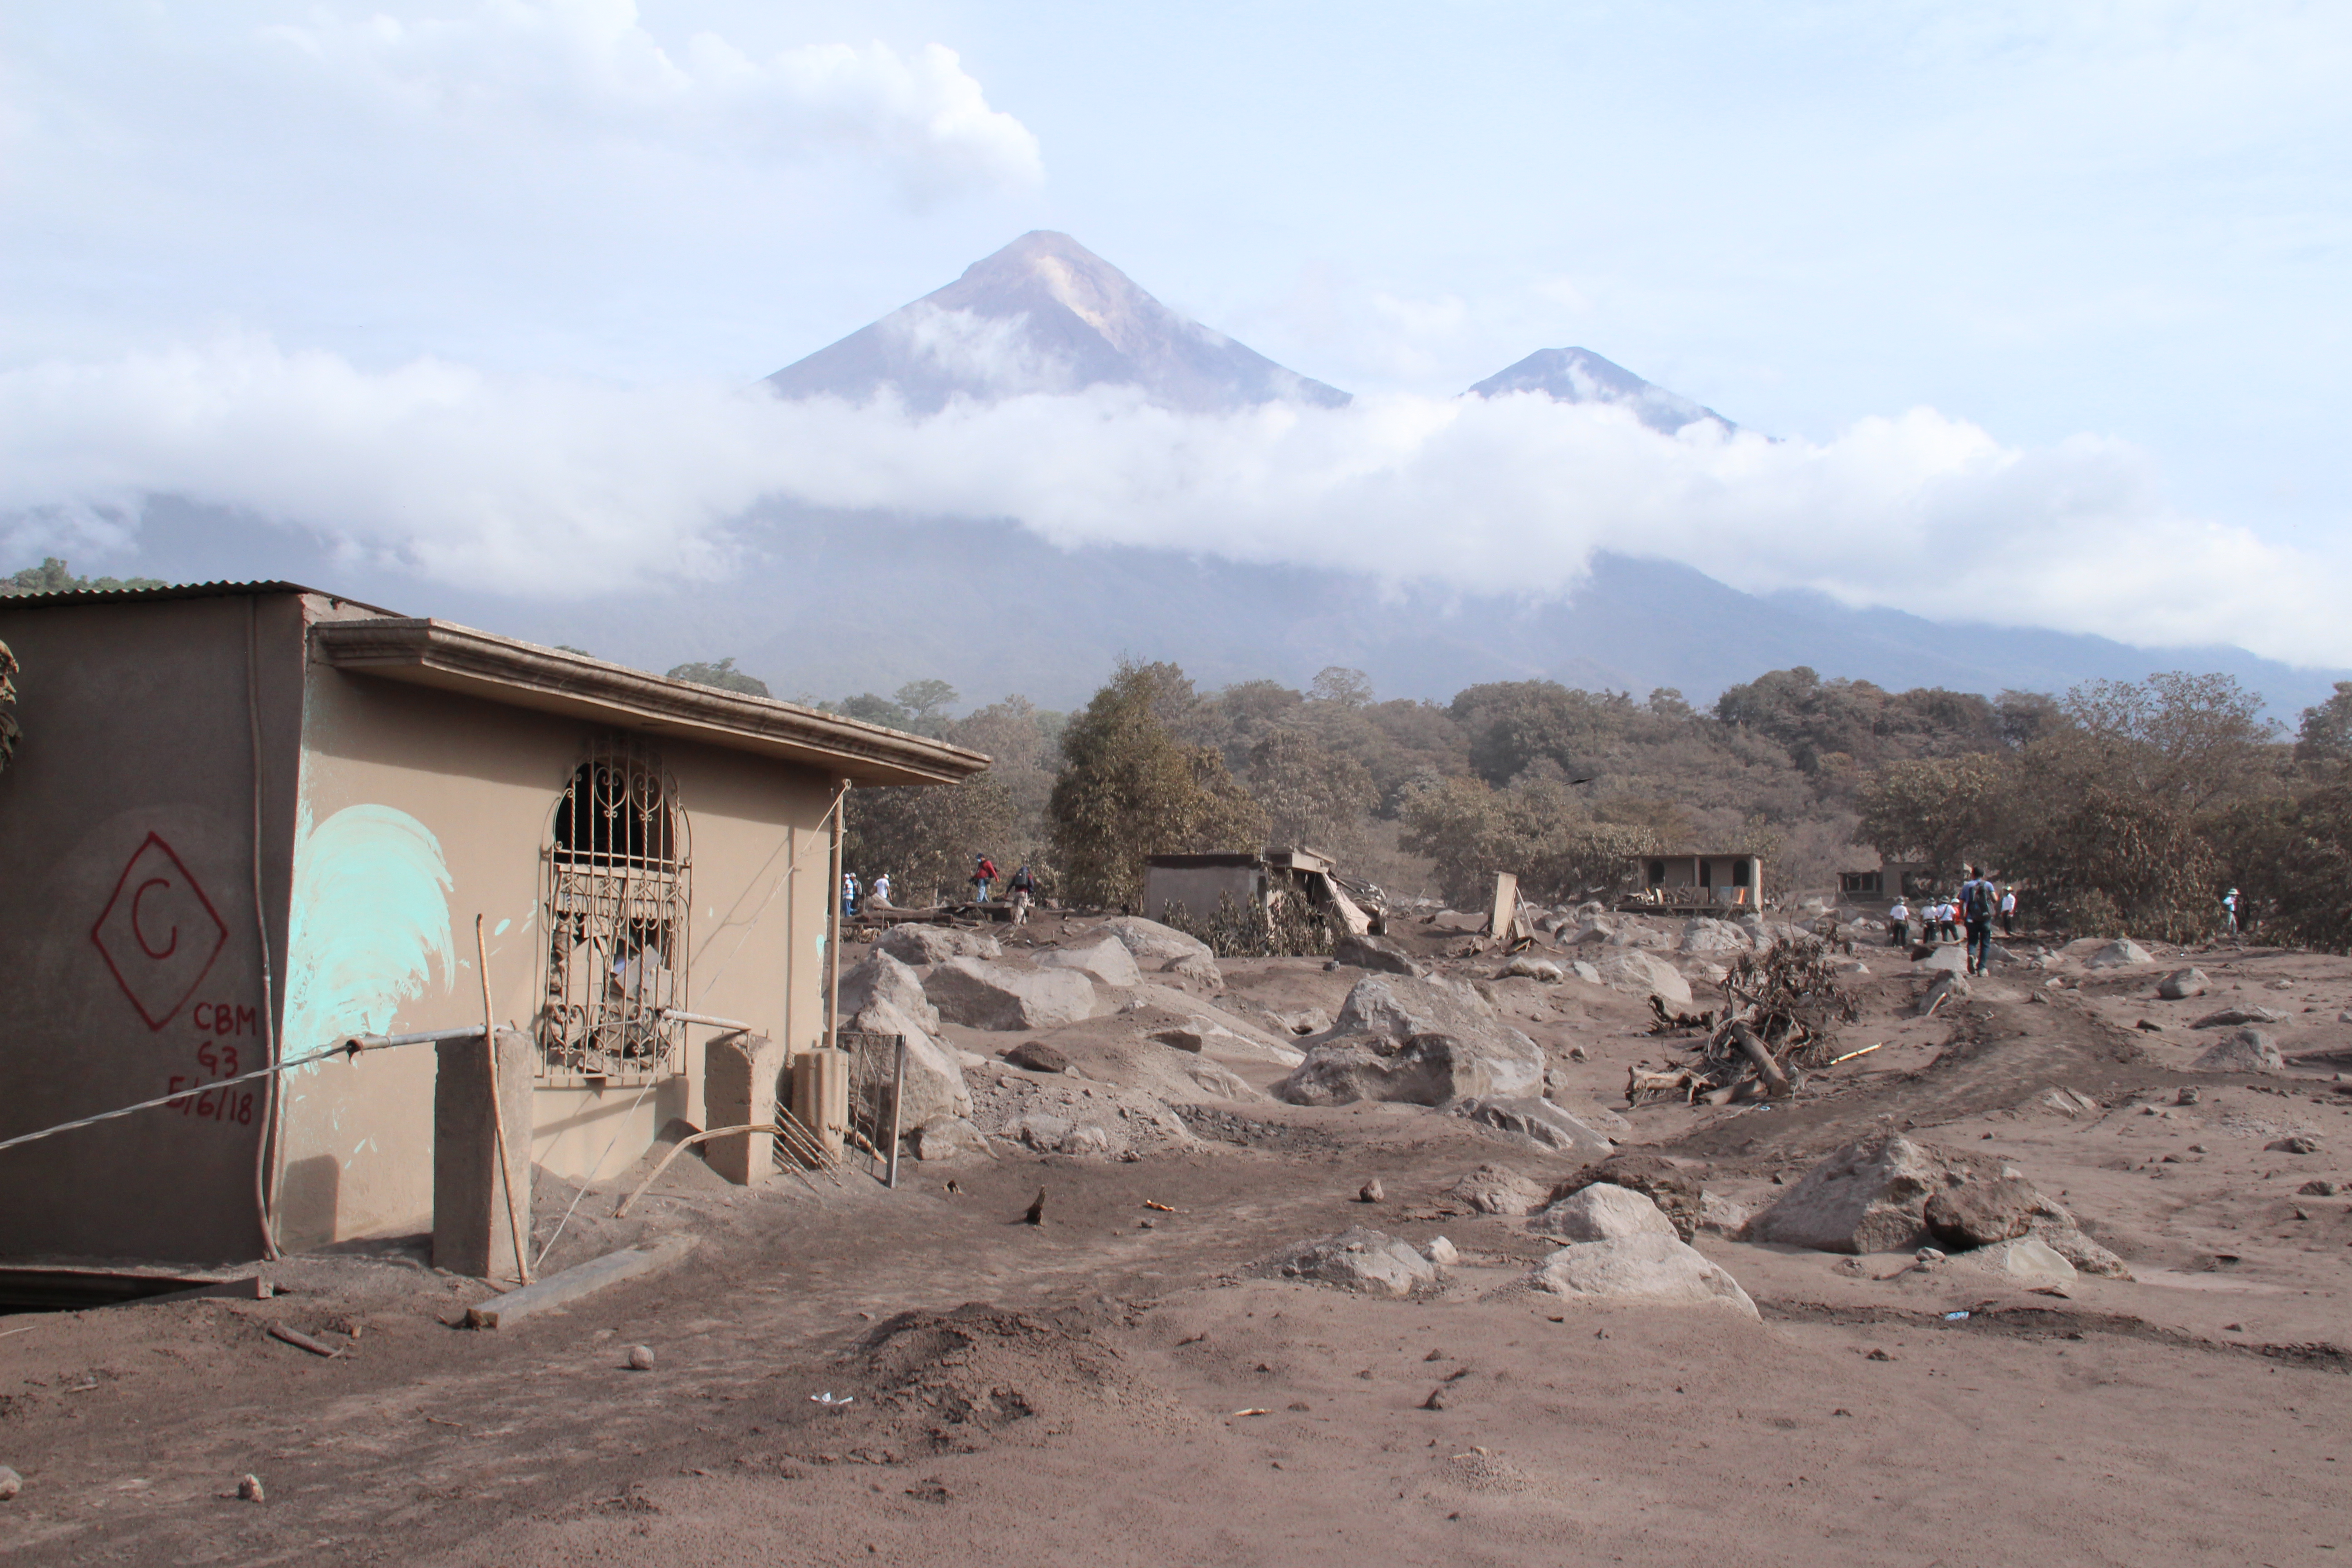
(2121, 227)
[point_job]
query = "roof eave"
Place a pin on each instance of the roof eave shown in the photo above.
(524, 674)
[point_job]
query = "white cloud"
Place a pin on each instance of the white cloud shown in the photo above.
(569, 69)
(547, 486)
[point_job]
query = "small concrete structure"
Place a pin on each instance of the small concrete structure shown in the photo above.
(246, 821)
(1884, 883)
(1702, 881)
(471, 1231)
(1198, 883)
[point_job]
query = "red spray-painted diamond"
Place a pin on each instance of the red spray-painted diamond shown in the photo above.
(158, 933)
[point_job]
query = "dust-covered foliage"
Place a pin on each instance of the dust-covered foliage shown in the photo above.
(1130, 788)
(722, 674)
(1244, 928)
(924, 837)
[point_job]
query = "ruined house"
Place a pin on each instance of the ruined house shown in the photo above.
(1698, 880)
(1196, 884)
(247, 820)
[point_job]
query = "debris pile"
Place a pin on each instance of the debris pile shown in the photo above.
(1782, 1007)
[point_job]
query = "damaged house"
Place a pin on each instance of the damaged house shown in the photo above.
(248, 821)
(1197, 884)
(1698, 880)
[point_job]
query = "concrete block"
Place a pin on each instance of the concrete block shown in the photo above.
(739, 1074)
(573, 1284)
(470, 1233)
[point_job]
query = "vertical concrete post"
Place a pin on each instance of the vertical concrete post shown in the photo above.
(738, 1088)
(470, 1234)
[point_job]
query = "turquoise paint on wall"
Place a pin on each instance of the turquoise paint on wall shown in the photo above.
(370, 923)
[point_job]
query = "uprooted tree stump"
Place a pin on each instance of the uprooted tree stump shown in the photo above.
(1782, 1007)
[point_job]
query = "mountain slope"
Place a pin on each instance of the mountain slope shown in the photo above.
(1046, 314)
(1579, 375)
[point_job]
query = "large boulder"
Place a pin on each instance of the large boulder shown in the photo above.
(2182, 983)
(933, 1085)
(2121, 954)
(1537, 1119)
(1164, 950)
(1949, 959)
(936, 944)
(1375, 952)
(1635, 932)
(1674, 1187)
(1403, 1037)
(1636, 970)
(1979, 1214)
(1602, 1211)
(1358, 1259)
(881, 977)
(1874, 1197)
(2245, 1050)
(1651, 1268)
(946, 1138)
(1703, 936)
(1107, 960)
(983, 995)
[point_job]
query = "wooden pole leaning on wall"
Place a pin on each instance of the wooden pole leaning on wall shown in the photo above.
(498, 1108)
(832, 925)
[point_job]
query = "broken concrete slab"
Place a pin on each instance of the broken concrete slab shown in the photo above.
(577, 1283)
(983, 995)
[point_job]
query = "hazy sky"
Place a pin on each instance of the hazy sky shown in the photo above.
(2105, 244)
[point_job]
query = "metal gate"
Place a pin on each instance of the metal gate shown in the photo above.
(877, 1080)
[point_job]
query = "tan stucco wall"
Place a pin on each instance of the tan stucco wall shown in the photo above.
(136, 774)
(418, 810)
(1198, 888)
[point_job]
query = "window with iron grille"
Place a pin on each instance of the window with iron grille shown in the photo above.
(617, 877)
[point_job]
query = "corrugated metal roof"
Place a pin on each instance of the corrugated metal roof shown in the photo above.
(176, 591)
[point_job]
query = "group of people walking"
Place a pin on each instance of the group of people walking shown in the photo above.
(1022, 890)
(1970, 911)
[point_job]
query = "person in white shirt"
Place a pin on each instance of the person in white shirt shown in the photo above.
(882, 890)
(1899, 924)
(2008, 911)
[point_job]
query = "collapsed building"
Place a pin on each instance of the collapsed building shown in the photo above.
(248, 821)
(1197, 885)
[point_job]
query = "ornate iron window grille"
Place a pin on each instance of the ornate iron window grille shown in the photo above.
(616, 876)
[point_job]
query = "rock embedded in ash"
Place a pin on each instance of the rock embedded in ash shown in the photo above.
(947, 1137)
(2121, 954)
(641, 1358)
(1039, 1130)
(249, 1490)
(933, 1083)
(983, 995)
(1086, 1138)
(1418, 1040)
(1644, 974)
(1500, 1190)
(880, 976)
(1443, 1253)
(1585, 972)
(2245, 1050)
(921, 944)
(1674, 1187)
(1372, 1192)
(2232, 1017)
(1375, 952)
(2025, 1260)
(1720, 1216)
(1107, 960)
(1702, 937)
(1537, 1119)
(1602, 1211)
(2294, 1143)
(1651, 1269)
(1981, 1213)
(11, 1483)
(1358, 1258)
(2182, 983)
(1527, 966)
(1164, 950)
(2317, 1190)
(1037, 1055)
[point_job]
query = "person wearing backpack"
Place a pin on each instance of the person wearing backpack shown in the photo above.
(1977, 898)
(1023, 889)
(983, 876)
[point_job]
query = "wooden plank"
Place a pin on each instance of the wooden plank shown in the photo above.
(576, 1283)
